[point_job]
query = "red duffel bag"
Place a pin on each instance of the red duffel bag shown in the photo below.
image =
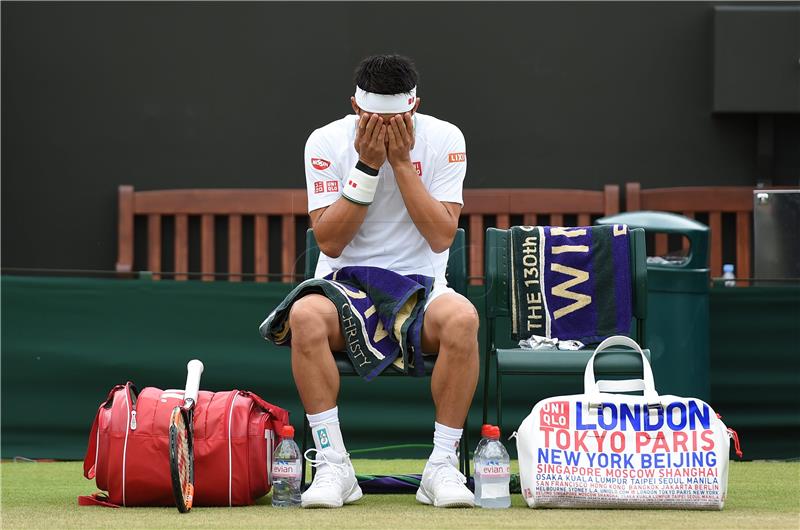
(234, 439)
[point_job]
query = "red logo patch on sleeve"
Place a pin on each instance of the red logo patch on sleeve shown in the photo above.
(319, 187)
(332, 185)
(320, 163)
(457, 157)
(418, 167)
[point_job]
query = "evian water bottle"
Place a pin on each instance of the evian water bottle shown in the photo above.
(477, 455)
(494, 467)
(286, 471)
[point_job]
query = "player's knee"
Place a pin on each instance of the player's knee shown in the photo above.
(461, 329)
(306, 322)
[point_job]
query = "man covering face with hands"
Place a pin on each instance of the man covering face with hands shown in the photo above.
(384, 196)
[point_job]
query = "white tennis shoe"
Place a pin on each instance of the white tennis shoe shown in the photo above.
(334, 483)
(443, 485)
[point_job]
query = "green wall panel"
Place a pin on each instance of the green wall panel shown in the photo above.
(66, 341)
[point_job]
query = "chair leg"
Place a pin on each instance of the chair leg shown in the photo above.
(499, 398)
(306, 428)
(487, 366)
(464, 464)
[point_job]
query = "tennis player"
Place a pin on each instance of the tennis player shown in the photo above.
(385, 190)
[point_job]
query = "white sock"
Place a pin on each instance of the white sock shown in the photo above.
(445, 441)
(325, 430)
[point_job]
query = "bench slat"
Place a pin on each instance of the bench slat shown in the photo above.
(235, 248)
(288, 259)
(556, 219)
(584, 219)
(154, 245)
(125, 229)
(685, 240)
(261, 245)
(207, 248)
(662, 245)
(476, 248)
(715, 226)
(503, 221)
(181, 247)
(743, 245)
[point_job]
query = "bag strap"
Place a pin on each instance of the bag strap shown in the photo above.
(279, 416)
(96, 499)
(91, 450)
(593, 388)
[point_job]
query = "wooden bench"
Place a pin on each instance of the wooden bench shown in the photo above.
(711, 200)
(506, 206)
(208, 203)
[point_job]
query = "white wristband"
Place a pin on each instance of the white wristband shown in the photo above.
(360, 187)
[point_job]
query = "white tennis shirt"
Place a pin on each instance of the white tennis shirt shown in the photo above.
(388, 237)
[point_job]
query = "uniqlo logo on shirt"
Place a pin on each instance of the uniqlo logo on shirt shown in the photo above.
(332, 185)
(320, 163)
(410, 101)
(418, 167)
(457, 157)
(319, 187)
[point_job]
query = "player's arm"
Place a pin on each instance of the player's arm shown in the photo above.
(337, 224)
(436, 220)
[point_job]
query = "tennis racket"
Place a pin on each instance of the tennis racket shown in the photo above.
(181, 443)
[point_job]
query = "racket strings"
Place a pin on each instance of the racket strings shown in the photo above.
(182, 458)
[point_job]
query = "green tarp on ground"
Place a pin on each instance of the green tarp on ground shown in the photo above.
(66, 341)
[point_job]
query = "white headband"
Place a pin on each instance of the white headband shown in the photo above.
(386, 103)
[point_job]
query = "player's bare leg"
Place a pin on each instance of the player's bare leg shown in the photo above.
(451, 328)
(315, 333)
(314, 322)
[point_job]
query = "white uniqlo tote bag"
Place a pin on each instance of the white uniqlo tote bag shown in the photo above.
(601, 449)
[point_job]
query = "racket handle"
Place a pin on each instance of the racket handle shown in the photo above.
(193, 370)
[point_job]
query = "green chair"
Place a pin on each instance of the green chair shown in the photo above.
(456, 275)
(517, 361)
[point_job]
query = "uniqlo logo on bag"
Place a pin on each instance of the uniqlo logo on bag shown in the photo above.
(332, 185)
(555, 414)
(320, 163)
(418, 167)
(456, 157)
(319, 187)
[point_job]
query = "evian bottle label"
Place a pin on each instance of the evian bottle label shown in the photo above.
(285, 469)
(494, 470)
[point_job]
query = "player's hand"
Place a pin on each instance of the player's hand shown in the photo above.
(370, 140)
(400, 133)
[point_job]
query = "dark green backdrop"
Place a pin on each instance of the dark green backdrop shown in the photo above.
(65, 342)
(210, 95)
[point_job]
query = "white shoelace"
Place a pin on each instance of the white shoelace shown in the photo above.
(451, 474)
(327, 471)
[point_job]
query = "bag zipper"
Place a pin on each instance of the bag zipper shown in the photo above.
(130, 401)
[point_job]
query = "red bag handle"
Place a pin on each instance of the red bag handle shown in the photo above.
(91, 450)
(96, 499)
(279, 416)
